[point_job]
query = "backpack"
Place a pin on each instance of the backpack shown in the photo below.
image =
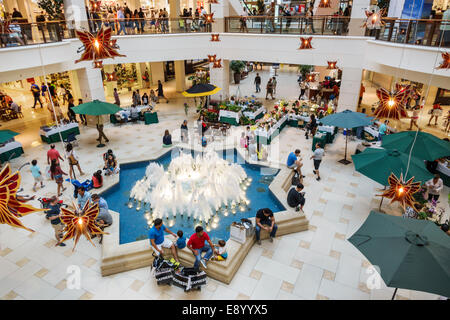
(295, 179)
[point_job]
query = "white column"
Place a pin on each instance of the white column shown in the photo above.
(396, 8)
(221, 10)
(180, 76)
(157, 72)
(174, 13)
(91, 87)
(349, 91)
(109, 85)
(75, 11)
(220, 77)
(357, 17)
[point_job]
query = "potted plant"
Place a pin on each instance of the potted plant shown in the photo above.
(237, 66)
(304, 69)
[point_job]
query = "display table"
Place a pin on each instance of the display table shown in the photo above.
(266, 137)
(361, 147)
(150, 117)
(320, 137)
(444, 172)
(230, 117)
(10, 151)
(53, 134)
(255, 115)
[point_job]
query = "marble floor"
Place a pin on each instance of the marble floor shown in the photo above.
(315, 264)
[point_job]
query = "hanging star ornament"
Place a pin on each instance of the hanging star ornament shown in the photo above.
(325, 4)
(391, 105)
(97, 47)
(208, 17)
(217, 64)
(332, 65)
(401, 191)
(305, 43)
(211, 58)
(78, 224)
(374, 19)
(111, 76)
(445, 64)
(11, 208)
(213, 1)
(310, 77)
(215, 37)
(95, 5)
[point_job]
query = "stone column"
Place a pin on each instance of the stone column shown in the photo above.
(220, 77)
(349, 92)
(109, 85)
(180, 76)
(174, 13)
(75, 13)
(357, 17)
(157, 72)
(90, 84)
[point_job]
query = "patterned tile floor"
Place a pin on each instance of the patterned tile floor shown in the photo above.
(315, 264)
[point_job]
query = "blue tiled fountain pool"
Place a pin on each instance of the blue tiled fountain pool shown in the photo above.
(133, 224)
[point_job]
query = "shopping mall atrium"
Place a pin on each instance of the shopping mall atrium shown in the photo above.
(224, 150)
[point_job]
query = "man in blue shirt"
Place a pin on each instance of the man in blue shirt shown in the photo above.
(294, 161)
(157, 240)
(382, 129)
(83, 197)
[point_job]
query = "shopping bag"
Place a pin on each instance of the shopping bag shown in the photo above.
(238, 232)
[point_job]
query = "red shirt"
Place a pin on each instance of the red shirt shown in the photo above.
(53, 154)
(197, 242)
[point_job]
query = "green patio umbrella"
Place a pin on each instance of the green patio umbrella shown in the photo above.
(346, 119)
(410, 253)
(96, 108)
(6, 135)
(426, 147)
(378, 164)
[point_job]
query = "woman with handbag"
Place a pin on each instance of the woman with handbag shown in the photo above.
(57, 174)
(435, 112)
(73, 161)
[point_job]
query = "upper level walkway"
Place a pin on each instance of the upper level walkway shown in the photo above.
(413, 32)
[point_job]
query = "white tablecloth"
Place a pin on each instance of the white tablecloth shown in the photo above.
(10, 146)
(253, 115)
(443, 169)
(298, 117)
(329, 129)
(61, 128)
(372, 131)
(374, 145)
(230, 114)
(263, 133)
(127, 111)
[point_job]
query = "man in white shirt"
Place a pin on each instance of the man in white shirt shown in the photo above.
(121, 19)
(434, 187)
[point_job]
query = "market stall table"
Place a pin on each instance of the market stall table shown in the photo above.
(10, 150)
(52, 135)
(230, 117)
(444, 172)
(320, 137)
(255, 115)
(150, 117)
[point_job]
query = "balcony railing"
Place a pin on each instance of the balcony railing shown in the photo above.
(22, 34)
(318, 25)
(424, 32)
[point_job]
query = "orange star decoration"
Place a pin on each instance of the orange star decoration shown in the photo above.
(374, 19)
(401, 191)
(332, 65)
(305, 43)
(97, 47)
(217, 63)
(445, 64)
(211, 58)
(80, 224)
(392, 105)
(10, 207)
(209, 18)
(111, 76)
(213, 1)
(325, 4)
(310, 77)
(215, 37)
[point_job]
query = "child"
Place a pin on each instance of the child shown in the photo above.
(181, 241)
(37, 175)
(221, 253)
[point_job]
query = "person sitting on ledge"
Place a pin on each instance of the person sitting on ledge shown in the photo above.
(294, 161)
(157, 240)
(265, 220)
(111, 165)
(295, 197)
(167, 139)
(196, 244)
(97, 179)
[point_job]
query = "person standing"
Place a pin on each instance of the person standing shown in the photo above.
(434, 187)
(62, 94)
(53, 214)
(269, 89)
(121, 19)
(70, 113)
(265, 220)
(258, 83)
(274, 85)
(184, 132)
(311, 126)
(158, 241)
(435, 112)
(317, 158)
(160, 91)
(53, 154)
(116, 97)
(196, 244)
(302, 89)
(362, 89)
(37, 174)
(82, 116)
(73, 161)
(414, 118)
(57, 173)
(101, 134)
(36, 94)
(44, 92)
(382, 129)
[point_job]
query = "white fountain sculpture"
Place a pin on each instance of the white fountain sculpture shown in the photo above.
(197, 187)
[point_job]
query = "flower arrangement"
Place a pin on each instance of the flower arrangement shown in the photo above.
(230, 107)
(211, 116)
